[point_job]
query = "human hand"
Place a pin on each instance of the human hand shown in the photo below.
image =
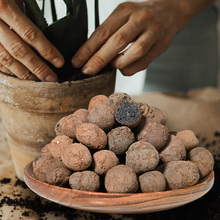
(18, 35)
(149, 26)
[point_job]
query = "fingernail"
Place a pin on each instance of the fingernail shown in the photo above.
(58, 62)
(77, 61)
(51, 78)
(87, 70)
(32, 77)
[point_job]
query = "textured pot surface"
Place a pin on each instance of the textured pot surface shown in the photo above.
(30, 110)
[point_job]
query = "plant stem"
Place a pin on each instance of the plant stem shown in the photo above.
(97, 13)
(53, 10)
(43, 7)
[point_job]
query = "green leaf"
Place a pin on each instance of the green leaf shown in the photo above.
(34, 13)
(80, 12)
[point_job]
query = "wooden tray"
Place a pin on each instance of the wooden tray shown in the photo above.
(123, 203)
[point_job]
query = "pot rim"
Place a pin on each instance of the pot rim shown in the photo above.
(14, 80)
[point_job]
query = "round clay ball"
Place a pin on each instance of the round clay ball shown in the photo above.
(181, 174)
(116, 99)
(174, 149)
(76, 157)
(119, 139)
(72, 121)
(40, 165)
(152, 181)
(59, 126)
(103, 161)
(45, 149)
(203, 160)
(121, 179)
(97, 100)
(155, 114)
(91, 135)
(103, 116)
(128, 114)
(143, 108)
(142, 157)
(85, 180)
(58, 144)
(188, 138)
(154, 133)
(57, 173)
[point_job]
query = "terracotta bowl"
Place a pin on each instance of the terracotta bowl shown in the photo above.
(30, 110)
(123, 203)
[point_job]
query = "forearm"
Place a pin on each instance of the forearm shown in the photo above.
(192, 7)
(180, 10)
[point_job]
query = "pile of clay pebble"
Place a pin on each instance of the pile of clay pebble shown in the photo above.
(121, 146)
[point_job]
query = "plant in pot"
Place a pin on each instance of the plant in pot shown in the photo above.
(30, 110)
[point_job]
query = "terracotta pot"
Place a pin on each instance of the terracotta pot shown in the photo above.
(30, 110)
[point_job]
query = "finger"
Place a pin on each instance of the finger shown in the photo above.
(13, 16)
(20, 4)
(144, 62)
(13, 67)
(24, 54)
(99, 37)
(136, 51)
(139, 48)
(5, 70)
(115, 44)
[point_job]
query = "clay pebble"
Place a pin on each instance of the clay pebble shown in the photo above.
(97, 100)
(143, 108)
(174, 149)
(155, 114)
(152, 181)
(188, 138)
(45, 149)
(76, 157)
(103, 161)
(142, 157)
(85, 180)
(121, 179)
(154, 133)
(58, 145)
(59, 126)
(119, 139)
(40, 165)
(91, 135)
(57, 173)
(203, 159)
(181, 174)
(72, 121)
(103, 116)
(128, 114)
(116, 99)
